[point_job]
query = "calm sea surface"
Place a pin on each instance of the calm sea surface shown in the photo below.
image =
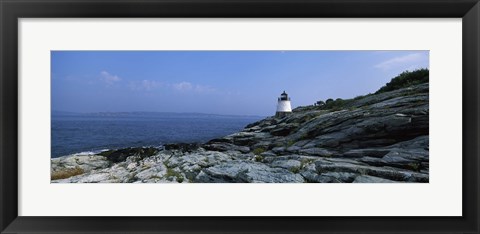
(75, 133)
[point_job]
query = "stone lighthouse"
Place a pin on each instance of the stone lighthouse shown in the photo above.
(283, 107)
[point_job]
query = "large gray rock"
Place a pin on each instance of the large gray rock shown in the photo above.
(158, 171)
(291, 165)
(84, 161)
(382, 172)
(247, 172)
(371, 179)
(316, 152)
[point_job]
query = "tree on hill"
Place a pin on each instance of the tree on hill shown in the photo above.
(405, 79)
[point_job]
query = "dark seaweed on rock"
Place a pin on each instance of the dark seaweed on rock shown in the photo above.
(184, 147)
(120, 155)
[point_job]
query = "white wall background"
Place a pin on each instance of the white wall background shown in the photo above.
(441, 197)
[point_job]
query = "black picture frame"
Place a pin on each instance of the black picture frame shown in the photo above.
(11, 11)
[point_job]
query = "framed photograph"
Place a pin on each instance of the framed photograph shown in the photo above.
(227, 116)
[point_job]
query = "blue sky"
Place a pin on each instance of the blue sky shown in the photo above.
(218, 82)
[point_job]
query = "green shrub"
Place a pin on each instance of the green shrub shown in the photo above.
(338, 104)
(258, 158)
(406, 79)
(414, 166)
(362, 96)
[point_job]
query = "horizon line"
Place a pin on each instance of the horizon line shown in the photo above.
(169, 112)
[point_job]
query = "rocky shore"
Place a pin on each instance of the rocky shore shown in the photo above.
(377, 138)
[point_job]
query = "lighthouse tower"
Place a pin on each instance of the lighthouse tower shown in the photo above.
(283, 107)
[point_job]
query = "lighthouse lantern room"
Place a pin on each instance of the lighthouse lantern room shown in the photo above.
(283, 107)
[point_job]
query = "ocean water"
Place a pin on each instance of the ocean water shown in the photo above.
(76, 133)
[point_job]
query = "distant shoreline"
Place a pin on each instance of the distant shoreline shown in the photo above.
(125, 113)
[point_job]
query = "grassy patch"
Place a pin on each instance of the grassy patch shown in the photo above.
(290, 143)
(173, 173)
(306, 161)
(358, 97)
(66, 173)
(259, 150)
(295, 170)
(414, 166)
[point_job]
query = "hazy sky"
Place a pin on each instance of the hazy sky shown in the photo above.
(218, 82)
